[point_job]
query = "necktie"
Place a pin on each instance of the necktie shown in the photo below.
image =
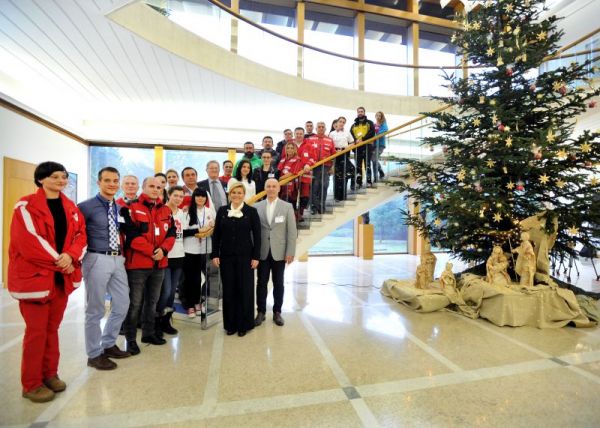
(113, 235)
(216, 195)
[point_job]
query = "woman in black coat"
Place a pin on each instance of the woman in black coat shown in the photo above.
(236, 251)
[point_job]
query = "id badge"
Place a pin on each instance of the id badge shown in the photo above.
(156, 230)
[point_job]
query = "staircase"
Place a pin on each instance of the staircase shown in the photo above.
(341, 213)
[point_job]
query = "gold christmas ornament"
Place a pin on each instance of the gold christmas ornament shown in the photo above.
(497, 218)
(490, 163)
(476, 122)
(490, 51)
(499, 62)
(461, 175)
(541, 36)
(544, 179)
(561, 154)
(510, 185)
(550, 137)
(509, 7)
(573, 230)
(586, 147)
(560, 184)
(509, 141)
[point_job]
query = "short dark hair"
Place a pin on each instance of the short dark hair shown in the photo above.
(45, 170)
(361, 107)
(308, 121)
(286, 130)
(174, 189)
(249, 142)
(299, 128)
(186, 168)
(108, 169)
(161, 174)
(227, 161)
(267, 136)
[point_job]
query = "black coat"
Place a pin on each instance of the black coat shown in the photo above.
(237, 236)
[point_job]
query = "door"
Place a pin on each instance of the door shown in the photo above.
(18, 182)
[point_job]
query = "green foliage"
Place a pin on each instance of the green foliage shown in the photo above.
(509, 148)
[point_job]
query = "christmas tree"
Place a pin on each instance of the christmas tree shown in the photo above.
(510, 152)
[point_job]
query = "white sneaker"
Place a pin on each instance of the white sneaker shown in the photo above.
(198, 309)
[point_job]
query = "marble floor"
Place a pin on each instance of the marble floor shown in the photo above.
(346, 357)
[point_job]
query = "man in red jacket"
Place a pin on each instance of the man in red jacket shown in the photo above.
(149, 235)
(323, 147)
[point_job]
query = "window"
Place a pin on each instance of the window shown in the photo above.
(179, 159)
(262, 47)
(390, 232)
(129, 161)
(203, 19)
(340, 241)
(385, 40)
(435, 49)
(335, 34)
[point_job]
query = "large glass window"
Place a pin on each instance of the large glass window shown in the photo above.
(265, 48)
(179, 159)
(385, 40)
(435, 49)
(333, 33)
(204, 19)
(340, 241)
(390, 232)
(128, 160)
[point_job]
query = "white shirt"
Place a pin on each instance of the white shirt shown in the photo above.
(193, 245)
(249, 186)
(177, 251)
(341, 139)
(271, 209)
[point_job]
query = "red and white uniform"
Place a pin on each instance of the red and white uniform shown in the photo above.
(32, 255)
(322, 146)
(148, 225)
(32, 250)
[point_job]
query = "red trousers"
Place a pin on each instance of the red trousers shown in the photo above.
(40, 344)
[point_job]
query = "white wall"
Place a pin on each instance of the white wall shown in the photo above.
(28, 141)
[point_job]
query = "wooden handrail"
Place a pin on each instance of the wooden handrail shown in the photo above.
(286, 180)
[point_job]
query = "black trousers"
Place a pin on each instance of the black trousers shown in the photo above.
(362, 157)
(344, 172)
(238, 293)
(194, 289)
(265, 269)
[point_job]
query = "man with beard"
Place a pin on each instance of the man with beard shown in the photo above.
(362, 129)
(249, 154)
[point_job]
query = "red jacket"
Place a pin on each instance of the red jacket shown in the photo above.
(307, 155)
(323, 147)
(32, 249)
(148, 226)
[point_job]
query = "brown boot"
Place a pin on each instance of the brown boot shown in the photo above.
(101, 362)
(55, 384)
(40, 395)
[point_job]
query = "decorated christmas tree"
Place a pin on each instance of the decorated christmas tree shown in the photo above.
(509, 148)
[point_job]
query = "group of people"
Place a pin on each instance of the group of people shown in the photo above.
(140, 249)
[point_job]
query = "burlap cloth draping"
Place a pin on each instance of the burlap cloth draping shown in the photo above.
(541, 306)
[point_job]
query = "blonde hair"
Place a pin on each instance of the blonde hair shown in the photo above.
(235, 186)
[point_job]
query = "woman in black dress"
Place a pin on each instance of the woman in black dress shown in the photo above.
(236, 251)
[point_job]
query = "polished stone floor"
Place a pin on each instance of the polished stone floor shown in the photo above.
(346, 357)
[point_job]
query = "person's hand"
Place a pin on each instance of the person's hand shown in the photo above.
(254, 264)
(289, 259)
(216, 261)
(306, 168)
(158, 254)
(70, 269)
(63, 261)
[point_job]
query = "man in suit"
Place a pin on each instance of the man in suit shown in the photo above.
(278, 247)
(213, 185)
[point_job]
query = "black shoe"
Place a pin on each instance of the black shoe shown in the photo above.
(132, 347)
(313, 211)
(260, 317)
(158, 327)
(101, 362)
(166, 324)
(153, 340)
(241, 333)
(122, 330)
(277, 319)
(231, 332)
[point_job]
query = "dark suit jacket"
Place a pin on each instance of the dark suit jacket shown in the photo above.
(205, 185)
(237, 236)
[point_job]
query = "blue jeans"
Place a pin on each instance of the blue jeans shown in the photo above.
(167, 295)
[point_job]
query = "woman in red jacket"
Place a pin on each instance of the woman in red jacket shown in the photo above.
(289, 165)
(47, 243)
